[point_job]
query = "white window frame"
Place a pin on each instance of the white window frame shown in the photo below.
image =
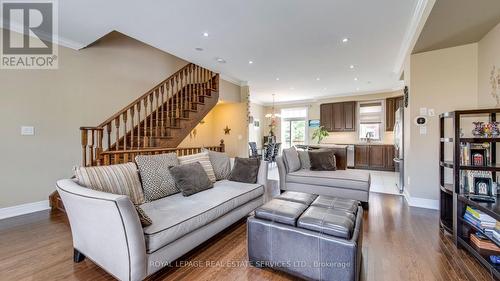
(382, 118)
(305, 118)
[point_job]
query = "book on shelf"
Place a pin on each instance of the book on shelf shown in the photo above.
(483, 244)
(481, 220)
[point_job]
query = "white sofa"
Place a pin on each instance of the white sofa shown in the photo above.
(107, 230)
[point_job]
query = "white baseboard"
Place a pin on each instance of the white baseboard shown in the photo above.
(421, 202)
(23, 209)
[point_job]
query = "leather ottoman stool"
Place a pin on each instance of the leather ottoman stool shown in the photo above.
(315, 238)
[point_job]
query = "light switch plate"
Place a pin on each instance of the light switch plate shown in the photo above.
(423, 111)
(27, 131)
(431, 112)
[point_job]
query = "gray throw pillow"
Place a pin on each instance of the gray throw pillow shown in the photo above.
(291, 158)
(245, 170)
(191, 178)
(305, 162)
(157, 182)
(221, 164)
(322, 160)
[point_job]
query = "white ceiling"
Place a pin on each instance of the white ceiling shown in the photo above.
(295, 40)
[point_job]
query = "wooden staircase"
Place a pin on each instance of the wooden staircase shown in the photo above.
(154, 123)
(157, 121)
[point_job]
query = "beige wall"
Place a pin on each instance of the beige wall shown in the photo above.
(443, 80)
(314, 113)
(489, 57)
(89, 86)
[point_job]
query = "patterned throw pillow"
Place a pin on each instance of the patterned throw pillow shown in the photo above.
(204, 160)
(220, 163)
(143, 217)
(120, 179)
(157, 181)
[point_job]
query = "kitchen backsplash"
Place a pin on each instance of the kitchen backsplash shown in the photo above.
(352, 138)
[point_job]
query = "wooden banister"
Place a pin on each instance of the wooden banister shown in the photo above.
(148, 118)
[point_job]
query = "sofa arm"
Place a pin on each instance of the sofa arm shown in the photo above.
(282, 172)
(105, 228)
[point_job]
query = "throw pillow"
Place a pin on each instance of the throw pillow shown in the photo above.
(322, 160)
(220, 163)
(120, 179)
(291, 158)
(191, 178)
(143, 217)
(157, 181)
(305, 162)
(245, 170)
(204, 160)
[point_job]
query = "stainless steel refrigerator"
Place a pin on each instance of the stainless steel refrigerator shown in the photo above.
(399, 148)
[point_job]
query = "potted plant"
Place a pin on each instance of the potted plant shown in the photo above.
(320, 133)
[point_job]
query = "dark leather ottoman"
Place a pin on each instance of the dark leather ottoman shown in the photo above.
(309, 236)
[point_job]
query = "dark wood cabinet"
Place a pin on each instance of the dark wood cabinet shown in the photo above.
(338, 117)
(361, 156)
(326, 116)
(374, 157)
(391, 105)
(377, 156)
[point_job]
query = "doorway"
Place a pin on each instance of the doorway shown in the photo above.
(294, 127)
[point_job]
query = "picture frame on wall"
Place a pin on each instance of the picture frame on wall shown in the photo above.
(314, 123)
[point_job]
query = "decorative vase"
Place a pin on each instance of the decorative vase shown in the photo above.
(478, 129)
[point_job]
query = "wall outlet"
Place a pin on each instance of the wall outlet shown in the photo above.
(27, 131)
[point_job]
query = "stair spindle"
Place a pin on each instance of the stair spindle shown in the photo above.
(117, 133)
(125, 117)
(91, 148)
(138, 125)
(108, 131)
(84, 147)
(145, 122)
(150, 115)
(157, 127)
(162, 108)
(132, 126)
(172, 102)
(99, 146)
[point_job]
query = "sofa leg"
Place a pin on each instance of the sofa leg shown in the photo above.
(77, 256)
(364, 205)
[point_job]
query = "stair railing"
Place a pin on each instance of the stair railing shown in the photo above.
(150, 115)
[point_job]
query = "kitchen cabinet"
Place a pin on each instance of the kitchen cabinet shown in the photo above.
(339, 116)
(326, 116)
(374, 157)
(361, 156)
(391, 105)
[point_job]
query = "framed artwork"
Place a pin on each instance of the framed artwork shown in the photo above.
(314, 123)
(256, 123)
(482, 186)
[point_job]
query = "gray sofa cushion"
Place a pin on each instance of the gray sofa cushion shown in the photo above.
(299, 197)
(245, 170)
(350, 179)
(281, 211)
(220, 163)
(157, 182)
(305, 162)
(175, 216)
(291, 158)
(190, 178)
(333, 222)
(336, 203)
(322, 160)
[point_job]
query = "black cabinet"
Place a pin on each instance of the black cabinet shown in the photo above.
(339, 116)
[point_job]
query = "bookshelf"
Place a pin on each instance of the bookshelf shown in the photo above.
(454, 197)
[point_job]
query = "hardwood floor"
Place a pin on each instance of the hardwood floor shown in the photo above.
(400, 243)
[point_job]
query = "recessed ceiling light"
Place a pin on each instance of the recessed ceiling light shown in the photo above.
(351, 66)
(205, 34)
(317, 79)
(220, 60)
(292, 88)
(250, 62)
(278, 79)
(345, 40)
(356, 79)
(324, 89)
(199, 49)
(357, 89)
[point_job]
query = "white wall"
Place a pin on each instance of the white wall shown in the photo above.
(489, 58)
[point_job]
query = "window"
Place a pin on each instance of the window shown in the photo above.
(293, 126)
(370, 120)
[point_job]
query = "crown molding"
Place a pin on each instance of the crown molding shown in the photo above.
(420, 15)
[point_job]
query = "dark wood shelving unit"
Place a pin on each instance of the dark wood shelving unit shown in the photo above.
(453, 200)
